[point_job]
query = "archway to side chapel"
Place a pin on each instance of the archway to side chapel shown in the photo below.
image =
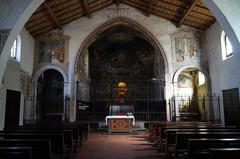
(191, 101)
(121, 51)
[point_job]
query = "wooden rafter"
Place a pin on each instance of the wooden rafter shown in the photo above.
(117, 2)
(194, 2)
(86, 8)
(149, 7)
(52, 15)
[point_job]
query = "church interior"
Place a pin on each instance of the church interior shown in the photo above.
(123, 79)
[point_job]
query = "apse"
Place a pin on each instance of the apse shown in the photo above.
(121, 55)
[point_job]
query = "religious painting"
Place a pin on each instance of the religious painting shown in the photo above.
(184, 81)
(186, 46)
(52, 49)
(180, 51)
(185, 85)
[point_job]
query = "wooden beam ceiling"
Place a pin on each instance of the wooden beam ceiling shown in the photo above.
(117, 2)
(149, 7)
(194, 2)
(86, 8)
(52, 15)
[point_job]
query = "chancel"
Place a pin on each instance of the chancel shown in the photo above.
(123, 79)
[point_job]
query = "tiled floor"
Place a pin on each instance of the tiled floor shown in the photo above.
(102, 146)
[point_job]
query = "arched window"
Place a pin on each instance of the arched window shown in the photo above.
(227, 50)
(16, 49)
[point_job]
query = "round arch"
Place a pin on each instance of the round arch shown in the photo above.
(123, 21)
(179, 70)
(47, 67)
(65, 87)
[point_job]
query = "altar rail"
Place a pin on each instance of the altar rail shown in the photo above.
(144, 110)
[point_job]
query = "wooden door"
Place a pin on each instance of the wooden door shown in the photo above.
(231, 107)
(12, 108)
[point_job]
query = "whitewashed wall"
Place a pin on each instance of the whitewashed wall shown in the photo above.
(11, 78)
(224, 74)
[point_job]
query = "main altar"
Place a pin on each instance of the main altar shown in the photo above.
(120, 118)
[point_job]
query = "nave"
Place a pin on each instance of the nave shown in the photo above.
(119, 146)
(163, 140)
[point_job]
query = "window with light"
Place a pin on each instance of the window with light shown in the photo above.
(16, 49)
(227, 49)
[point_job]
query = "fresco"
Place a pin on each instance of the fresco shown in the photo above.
(52, 49)
(122, 64)
(186, 46)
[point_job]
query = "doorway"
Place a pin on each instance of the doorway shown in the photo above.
(231, 106)
(13, 99)
(50, 96)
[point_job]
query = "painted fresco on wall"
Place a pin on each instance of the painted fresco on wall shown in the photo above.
(122, 64)
(52, 49)
(184, 81)
(186, 46)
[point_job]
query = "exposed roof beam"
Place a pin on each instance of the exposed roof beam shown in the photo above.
(52, 15)
(149, 7)
(117, 2)
(86, 8)
(194, 2)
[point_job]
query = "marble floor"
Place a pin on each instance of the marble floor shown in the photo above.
(118, 146)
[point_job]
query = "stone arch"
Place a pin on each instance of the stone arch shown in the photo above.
(175, 83)
(128, 22)
(19, 15)
(47, 67)
(179, 70)
(35, 79)
(223, 12)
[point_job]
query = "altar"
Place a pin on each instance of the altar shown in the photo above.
(120, 118)
(120, 123)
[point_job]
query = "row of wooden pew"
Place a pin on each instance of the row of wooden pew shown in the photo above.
(48, 141)
(195, 140)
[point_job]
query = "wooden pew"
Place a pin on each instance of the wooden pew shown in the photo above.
(171, 133)
(199, 148)
(40, 148)
(183, 137)
(222, 153)
(57, 140)
(159, 128)
(68, 135)
(16, 152)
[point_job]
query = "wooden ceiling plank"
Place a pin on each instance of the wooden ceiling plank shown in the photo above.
(158, 13)
(86, 8)
(52, 14)
(68, 10)
(40, 31)
(36, 22)
(187, 12)
(149, 7)
(40, 26)
(117, 2)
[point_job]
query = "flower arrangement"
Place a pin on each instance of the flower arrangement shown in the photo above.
(129, 114)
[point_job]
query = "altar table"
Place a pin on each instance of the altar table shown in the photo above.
(119, 123)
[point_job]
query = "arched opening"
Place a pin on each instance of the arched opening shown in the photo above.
(120, 51)
(50, 95)
(191, 100)
(191, 87)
